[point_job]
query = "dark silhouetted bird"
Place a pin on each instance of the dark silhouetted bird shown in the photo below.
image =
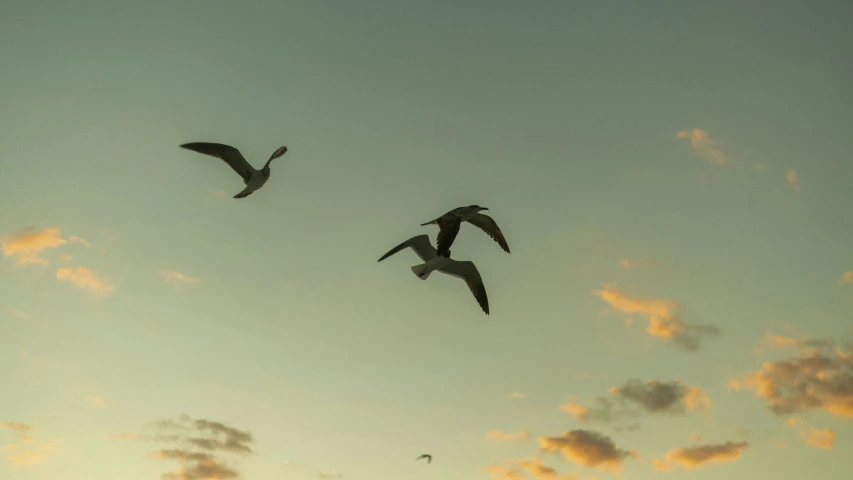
(252, 178)
(450, 222)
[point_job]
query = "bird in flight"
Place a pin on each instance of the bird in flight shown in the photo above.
(427, 456)
(252, 178)
(450, 222)
(432, 262)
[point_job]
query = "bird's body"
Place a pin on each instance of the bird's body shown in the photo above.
(253, 178)
(427, 456)
(450, 222)
(432, 261)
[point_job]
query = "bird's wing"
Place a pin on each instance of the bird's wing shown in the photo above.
(468, 272)
(488, 225)
(228, 154)
(446, 235)
(420, 244)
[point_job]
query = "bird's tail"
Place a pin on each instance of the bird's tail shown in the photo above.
(243, 194)
(421, 271)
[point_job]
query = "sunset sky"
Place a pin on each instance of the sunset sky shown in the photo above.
(673, 179)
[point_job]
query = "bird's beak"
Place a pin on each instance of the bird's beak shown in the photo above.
(483, 208)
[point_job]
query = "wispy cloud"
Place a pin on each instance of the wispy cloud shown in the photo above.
(793, 180)
(817, 377)
(700, 455)
(820, 438)
(518, 395)
(204, 449)
(178, 279)
(330, 475)
(663, 316)
(588, 449)
(85, 278)
(96, 400)
(500, 435)
(636, 397)
(80, 240)
(847, 278)
(636, 263)
(704, 145)
(19, 313)
(28, 450)
(513, 470)
(28, 244)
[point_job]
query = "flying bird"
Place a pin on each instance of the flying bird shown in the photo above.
(427, 456)
(252, 178)
(444, 264)
(450, 222)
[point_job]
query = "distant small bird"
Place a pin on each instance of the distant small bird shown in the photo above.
(427, 456)
(450, 222)
(444, 264)
(252, 178)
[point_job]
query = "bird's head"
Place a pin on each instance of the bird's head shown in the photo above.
(476, 208)
(281, 151)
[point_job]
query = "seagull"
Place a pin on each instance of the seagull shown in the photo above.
(444, 264)
(427, 456)
(253, 179)
(450, 222)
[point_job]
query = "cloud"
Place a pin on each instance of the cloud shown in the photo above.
(823, 438)
(664, 320)
(532, 465)
(19, 313)
(504, 472)
(588, 449)
(17, 427)
(27, 245)
(540, 471)
(699, 455)
(500, 435)
(205, 450)
(96, 400)
(847, 278)
(28, 450)
(704, 145)
(83, 241)
(817, 377)
(178, 279)
(636, 264)
(85, 278)
(330, 475)
(518, 395)
(636, 397)
(793, 180)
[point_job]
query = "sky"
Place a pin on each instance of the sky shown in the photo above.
(672, 177)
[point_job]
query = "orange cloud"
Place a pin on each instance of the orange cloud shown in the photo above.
(817, 377)
(74, 238)
(704, 145)
(178, 279)
(847, 278)
(28, 244)
(635, 397)
(824, 438)
(503, 472)
(699, 455)
(96, 400)
(85, 278)
(793, 180)
(500, 435)
(28, 450)
(587, 448)
(518, 395)
(663, 317)
(540, 471)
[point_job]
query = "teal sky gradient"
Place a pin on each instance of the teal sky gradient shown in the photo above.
(560, 116)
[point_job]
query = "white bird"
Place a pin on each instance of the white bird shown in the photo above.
(252, 178)
(450, 222)
(432, 261)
